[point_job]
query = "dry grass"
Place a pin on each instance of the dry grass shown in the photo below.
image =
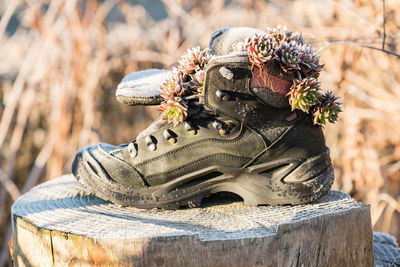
(59, 70)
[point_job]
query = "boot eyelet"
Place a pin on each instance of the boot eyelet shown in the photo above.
(148, 140)
(132, 150)
(170, 136)
(167, 134)
(217, 125)
(226, 73)
(223, 132)
(222, 95)
(189, 128)
(151, 142)
(222, 127)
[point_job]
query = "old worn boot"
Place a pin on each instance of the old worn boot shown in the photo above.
(244, 117)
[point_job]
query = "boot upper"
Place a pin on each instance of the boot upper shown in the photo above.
(247, 125)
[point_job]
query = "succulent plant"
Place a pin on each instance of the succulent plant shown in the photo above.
(309, 62)
(296, 37)
(194, 60)
(289, 55)
(304, 94)
(184, 85)
(279, 33)
(199, 79)
(173, 85)
(327, 109)
(182, 89)
(174, 111)
(260, 50)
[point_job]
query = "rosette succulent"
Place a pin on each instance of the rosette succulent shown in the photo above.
(279, 33)
(184, 85)
(327, 109)
(260, 50)
(296, 37)
(194, 60)
(304, 94)
(174, 111)
(309, 61)
(289, 55)
(172, 86)
(287, 48)
(199, 79)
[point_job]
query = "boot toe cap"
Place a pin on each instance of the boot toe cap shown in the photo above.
(98, 163)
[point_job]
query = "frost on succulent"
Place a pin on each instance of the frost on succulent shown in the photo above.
(199, 79)
(194, 60)
(173, 111)
(261, 50)
(184, 86)
(304, 94)
(285, 47)
(327, 109)
(173, 89)
(289, 55)
(296, 37)
(309, 61)
(172, 86)
(279, 33)
(192, 66)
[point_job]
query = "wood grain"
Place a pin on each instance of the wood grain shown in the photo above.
(57, 224)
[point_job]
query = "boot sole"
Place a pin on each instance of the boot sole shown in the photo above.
(288, 181)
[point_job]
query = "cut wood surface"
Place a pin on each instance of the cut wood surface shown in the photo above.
(58, 224)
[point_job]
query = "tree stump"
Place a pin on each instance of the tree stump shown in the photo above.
(58, 224)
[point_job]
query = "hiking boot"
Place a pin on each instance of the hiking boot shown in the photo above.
(227, 126)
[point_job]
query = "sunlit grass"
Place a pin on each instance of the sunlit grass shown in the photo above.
(59, 70)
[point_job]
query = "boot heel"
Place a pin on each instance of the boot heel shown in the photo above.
(295, 182)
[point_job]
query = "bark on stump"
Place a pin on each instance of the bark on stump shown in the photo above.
(58, 224)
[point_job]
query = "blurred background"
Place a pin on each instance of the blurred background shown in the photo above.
(60, 62)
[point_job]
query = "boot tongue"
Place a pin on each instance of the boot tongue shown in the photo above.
(141, 87)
